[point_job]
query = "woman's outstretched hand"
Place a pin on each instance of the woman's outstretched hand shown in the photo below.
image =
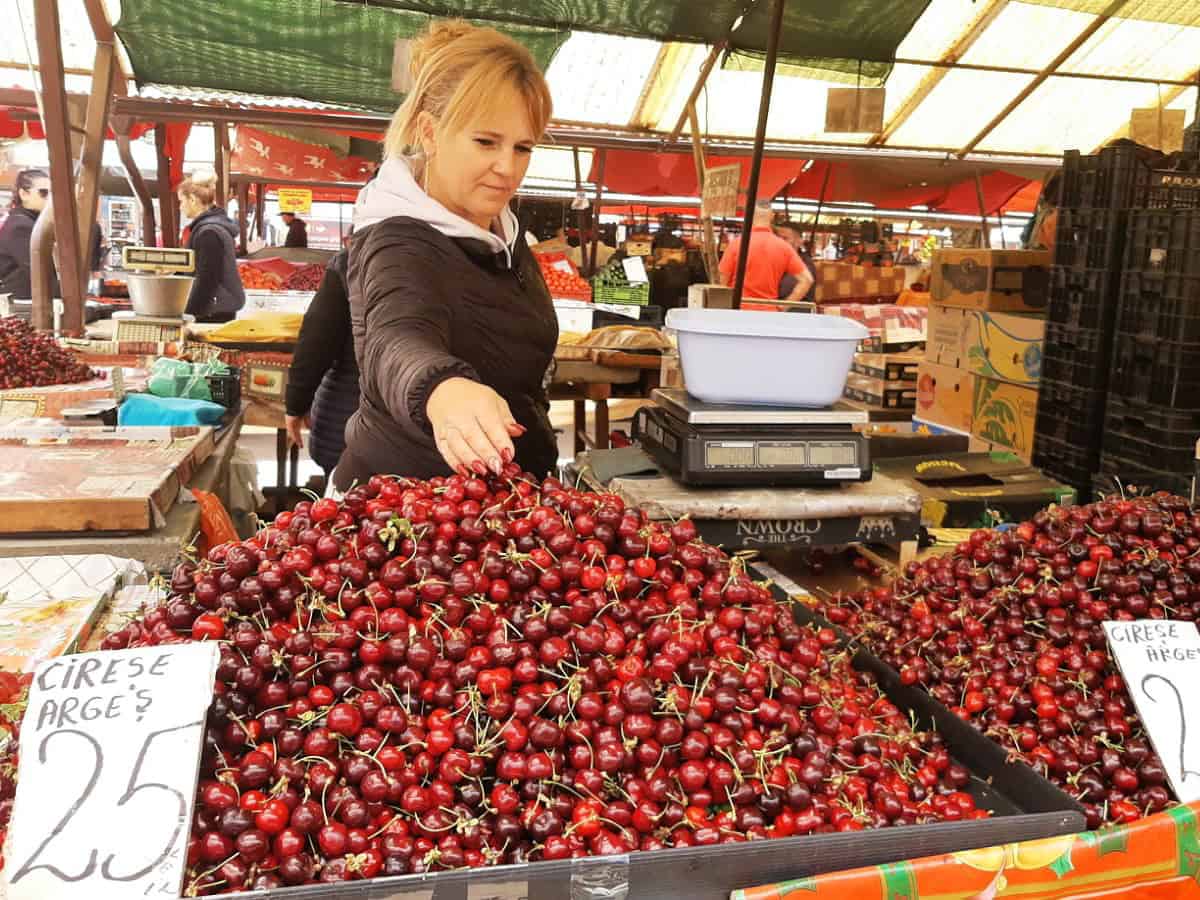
(472, 426)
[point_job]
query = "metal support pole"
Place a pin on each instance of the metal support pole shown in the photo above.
(220, 162)
(243, 197)
(820, 202)
(596, 217)
(760, 136)
(260, 210)
(64, 225)
(985, 238)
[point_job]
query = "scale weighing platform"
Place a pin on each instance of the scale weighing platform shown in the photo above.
(150, 262)
(711, 444)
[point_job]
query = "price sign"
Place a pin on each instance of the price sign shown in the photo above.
(294, 200)
(110, 750)
(721, 185)
(1160, 662)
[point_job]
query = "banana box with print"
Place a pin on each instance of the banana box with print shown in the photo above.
(1005, 346)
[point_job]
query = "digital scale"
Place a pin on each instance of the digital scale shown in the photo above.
(158, 291)
(711, 444)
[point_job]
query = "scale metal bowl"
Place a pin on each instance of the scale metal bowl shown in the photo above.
(164, 296)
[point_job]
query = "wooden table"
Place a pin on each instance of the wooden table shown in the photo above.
(593, 377)
(158, 548)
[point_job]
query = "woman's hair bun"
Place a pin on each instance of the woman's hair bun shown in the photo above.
(440, 34)
(203, 178)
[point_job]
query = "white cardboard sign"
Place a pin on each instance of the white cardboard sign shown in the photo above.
(1160, 662)
(110, 751)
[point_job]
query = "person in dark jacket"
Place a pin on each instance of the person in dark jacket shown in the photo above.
(322, 388)
(297, 235)
(454, 329)
(217, 292)
(29, 195)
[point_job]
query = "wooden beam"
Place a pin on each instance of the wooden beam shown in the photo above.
(1080, 39)
(65, 224)
(102, 31)
(652, 78)
(137, 183)
(91, 157)
(167, 206)
(934, 78)
(41, 264)
(701, 79)
(260, 210)
(243, 195)
(220, 163)
(708, 250)
(227, 160)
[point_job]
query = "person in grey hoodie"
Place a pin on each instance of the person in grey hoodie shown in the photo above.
(217, 293)
(454, 329)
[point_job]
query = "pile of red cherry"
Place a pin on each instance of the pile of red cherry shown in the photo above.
(30, 358)
(468, 672)
(1006, 631)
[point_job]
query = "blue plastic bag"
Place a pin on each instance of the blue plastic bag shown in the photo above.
(145, 409)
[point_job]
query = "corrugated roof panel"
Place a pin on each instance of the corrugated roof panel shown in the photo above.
(557, 164)
(1144, 49)
(1070, 114)
(78, 43)
(931, 38)
(599, 78)
(1026, 35)
(958, 108)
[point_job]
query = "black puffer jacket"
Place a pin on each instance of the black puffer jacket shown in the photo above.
(15, 270)
(323, 378)
(217, 292)
(427, 307)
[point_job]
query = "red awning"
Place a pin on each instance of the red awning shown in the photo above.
(265, 156)
(674, 174)
(900, 185)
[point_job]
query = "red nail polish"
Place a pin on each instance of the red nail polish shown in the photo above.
(479, 467)
(507, 455)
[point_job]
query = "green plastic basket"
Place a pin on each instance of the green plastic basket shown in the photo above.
(638, 294)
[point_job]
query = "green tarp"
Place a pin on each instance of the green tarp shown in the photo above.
(320, 50)
(338, 52)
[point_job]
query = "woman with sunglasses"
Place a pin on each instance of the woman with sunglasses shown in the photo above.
(29, 195)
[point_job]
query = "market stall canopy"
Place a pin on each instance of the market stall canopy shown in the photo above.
(913, 183)
(891, 184)
(985, 79)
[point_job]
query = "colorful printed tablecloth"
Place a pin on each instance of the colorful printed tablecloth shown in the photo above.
(1156, 858)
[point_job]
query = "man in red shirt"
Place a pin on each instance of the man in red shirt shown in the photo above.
(770, 258)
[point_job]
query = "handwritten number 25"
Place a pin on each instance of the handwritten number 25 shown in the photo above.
(131, 790)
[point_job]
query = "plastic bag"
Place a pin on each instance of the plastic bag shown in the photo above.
(177, 378)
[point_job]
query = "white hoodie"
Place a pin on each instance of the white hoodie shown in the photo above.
(394, 192)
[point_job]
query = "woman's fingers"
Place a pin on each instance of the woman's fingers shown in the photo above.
(451, 446)
(488, 442)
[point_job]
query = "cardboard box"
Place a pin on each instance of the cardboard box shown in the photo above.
(946, 396)
(1007, 346)
(838, 282)
(995, 280)
(976, 490)
(877, 392)
(893, 329)
(1005, 414)
(888, 366)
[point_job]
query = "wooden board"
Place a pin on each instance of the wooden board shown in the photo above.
(122, 479)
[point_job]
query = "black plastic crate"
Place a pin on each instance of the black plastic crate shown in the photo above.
(1155, 437)
(1066, 461)
(1174, 183)
(1160, 305)
(1078, 356)
(1067, 412)
(226, 389)
(1090, 238)
(1124, 476)
(1157, 372)
(1083, 298)
(1163, 240)
(1104, 180)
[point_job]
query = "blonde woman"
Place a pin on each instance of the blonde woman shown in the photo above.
(453, 326)
(217, 292)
